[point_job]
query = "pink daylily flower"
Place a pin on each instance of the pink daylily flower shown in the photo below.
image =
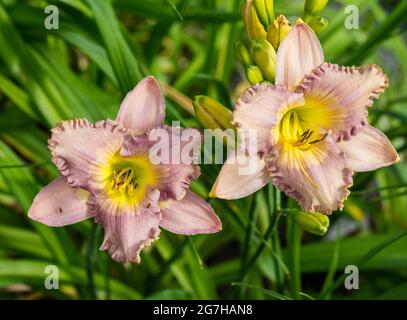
(106, 173)
(312, 129)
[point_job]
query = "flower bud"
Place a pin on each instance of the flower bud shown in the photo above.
(254, 28)
(278, 30)
(264, 56)
(243, 54)
(318, 24)
(265, 11)
(314, 6)
(312, 222)
(211, 114)
(253, 74)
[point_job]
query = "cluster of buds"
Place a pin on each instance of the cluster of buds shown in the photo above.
(266, 32)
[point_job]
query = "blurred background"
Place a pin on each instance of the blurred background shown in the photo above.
(84, 68)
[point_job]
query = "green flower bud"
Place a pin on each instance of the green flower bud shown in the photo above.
(253, 74)
(318, 24)
(265, 11)
(269, 4)
(265, 57)
(211, 114)
(312, 222)
(254, 28)
(314, 6)
(278, 30)
(243, 54)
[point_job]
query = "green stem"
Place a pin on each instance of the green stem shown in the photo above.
(294, 244)
(269, 232)
(166, 266)
(249, 233)
(90, 260)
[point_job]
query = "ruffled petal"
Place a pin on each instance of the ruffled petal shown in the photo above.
(317, 178)
(174, 152)
(297, 56)
(190, 215)
(240, 176)
(143, 107)
(341, 95)
(369, 150)
(59, 205)
(260, 108)
(79, 147)
(127, 229)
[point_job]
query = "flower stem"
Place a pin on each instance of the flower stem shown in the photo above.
(90, 260)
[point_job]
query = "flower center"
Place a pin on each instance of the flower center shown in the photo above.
(295, 130)
(127, 179)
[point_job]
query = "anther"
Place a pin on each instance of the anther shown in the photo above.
(319, 140)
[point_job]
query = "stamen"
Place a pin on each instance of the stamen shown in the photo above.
(292, 132)
(309, 134)
(319, 140)
(304, 133)
(124, 181)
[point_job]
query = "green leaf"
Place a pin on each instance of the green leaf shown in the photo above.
(316, 257)
(33, 271)
(122, 59)
(379, 33)
(24, 241)
(397, 293)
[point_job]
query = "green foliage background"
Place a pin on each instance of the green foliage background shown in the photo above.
(83, 69)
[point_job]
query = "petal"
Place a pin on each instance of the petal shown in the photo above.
(127, 229)
(317, 178)
(174, 152)
(191, 215)
(341, 95)
(57, 204)
(260, 108)
(79, 147)
(297, 56)
(240, 176)
(143, 107)
(369, 150)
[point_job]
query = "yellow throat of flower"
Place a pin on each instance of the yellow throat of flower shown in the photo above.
(300, 133)
(305, 126)
(295, 131)
(127, 179)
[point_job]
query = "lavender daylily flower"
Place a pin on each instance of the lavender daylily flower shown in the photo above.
(312, 130)
(106, 173)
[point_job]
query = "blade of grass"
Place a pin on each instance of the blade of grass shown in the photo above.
(330, 276)
(122, 59)
(379, 33)
(365, 258)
